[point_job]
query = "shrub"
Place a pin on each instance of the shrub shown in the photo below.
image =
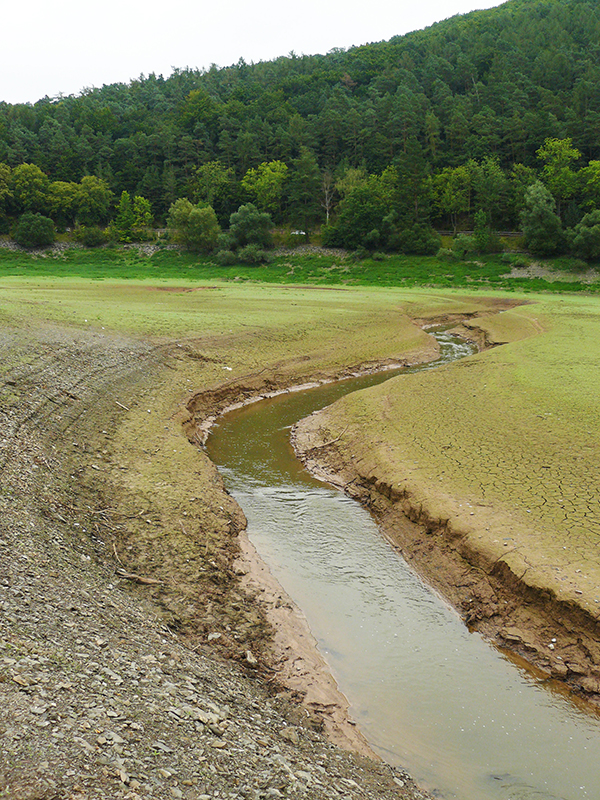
(445, 254)
(249, 226)
(92, 236)
(584, 238)
(372, 239)
(419, 239)
(34, 230)
(331, 236)
(519, 261)
(359, 254)
(226, 258)
(194, 227)
(463, 245)
(485, 239)
(252, 254)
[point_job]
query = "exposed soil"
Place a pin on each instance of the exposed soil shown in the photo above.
(558, 638)
(137, 658)
(134, 662)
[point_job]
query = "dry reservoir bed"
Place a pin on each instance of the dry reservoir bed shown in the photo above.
(119, 596)
(495, 459)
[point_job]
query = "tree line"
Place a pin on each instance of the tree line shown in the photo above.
(432, 128)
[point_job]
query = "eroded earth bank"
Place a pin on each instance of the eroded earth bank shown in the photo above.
(137, 658)
(482, 474)
(135, 662)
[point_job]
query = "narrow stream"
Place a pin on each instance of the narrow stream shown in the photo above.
(463, 719)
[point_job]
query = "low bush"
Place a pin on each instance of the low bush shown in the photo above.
(34, 230)
(252, 254)
(226, 258)
(445, 254)
(91, 236)
(463, 246)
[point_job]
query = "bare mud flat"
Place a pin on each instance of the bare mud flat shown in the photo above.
(134, 663)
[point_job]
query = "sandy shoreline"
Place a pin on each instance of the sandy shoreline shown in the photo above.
(298, 662)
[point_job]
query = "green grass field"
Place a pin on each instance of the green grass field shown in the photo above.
(319, 268)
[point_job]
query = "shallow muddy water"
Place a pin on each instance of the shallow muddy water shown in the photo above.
(429, 696)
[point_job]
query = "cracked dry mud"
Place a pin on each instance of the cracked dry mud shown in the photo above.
(118, 601)
(499, 510)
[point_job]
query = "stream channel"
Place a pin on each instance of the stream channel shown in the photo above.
(466, 720)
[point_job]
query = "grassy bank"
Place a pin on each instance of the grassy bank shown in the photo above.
(298, 267)
(503, 444)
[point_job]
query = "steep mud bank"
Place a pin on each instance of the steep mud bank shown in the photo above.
(293, 650)
(454, 550)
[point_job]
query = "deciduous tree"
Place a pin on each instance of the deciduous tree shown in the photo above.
(557, 174)
(542, 227)
(30, 187)
(265, 184)
(195, 227)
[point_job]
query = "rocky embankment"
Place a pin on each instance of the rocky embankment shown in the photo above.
(111, 684)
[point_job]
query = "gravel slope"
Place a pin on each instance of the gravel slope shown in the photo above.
(100, 697)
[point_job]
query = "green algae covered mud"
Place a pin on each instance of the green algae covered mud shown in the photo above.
(496, 459)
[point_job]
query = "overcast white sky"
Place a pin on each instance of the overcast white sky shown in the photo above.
(63, 46)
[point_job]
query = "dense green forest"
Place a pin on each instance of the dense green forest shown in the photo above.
(380, 141)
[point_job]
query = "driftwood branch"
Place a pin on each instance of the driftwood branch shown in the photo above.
(128, 576)
(117, 555)
(331, 441)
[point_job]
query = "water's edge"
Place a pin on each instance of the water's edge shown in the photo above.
(298, 662)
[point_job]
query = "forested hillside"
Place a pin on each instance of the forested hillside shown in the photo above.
(434, 126)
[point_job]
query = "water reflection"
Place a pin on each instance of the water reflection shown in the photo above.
(464, 719)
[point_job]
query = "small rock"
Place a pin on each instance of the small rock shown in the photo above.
(512, 635)
(590, 684)
(251, 659)
(559, 670)
(290, 734)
